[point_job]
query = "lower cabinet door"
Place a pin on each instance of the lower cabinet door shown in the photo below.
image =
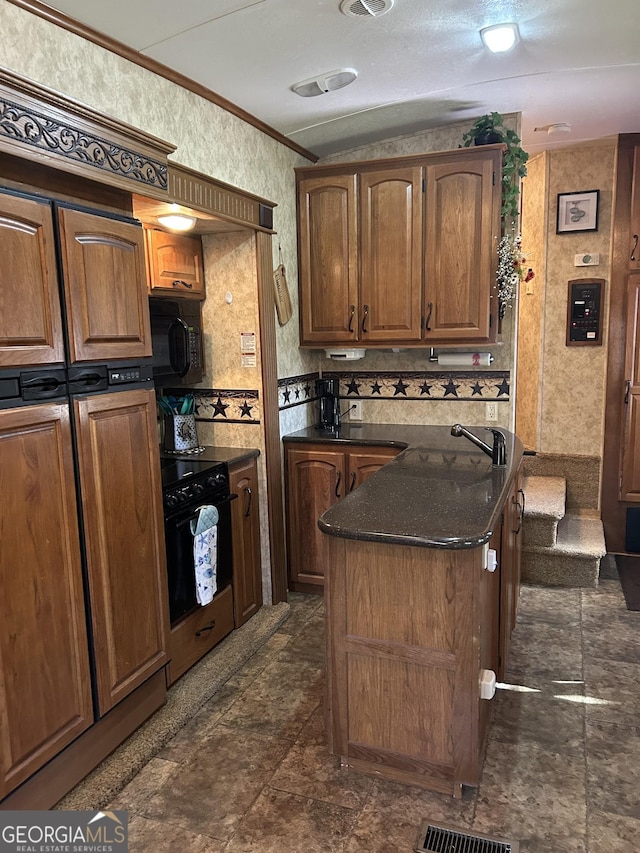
(45, 686)
(124, 534)
(315, 481)
(245, 525)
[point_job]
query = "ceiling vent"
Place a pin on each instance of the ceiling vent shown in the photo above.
(324, 83)
(365, 8)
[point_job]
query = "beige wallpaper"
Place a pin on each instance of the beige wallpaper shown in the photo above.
(573, 378)
(531, 303)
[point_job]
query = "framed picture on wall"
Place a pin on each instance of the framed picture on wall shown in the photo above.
(577, 211)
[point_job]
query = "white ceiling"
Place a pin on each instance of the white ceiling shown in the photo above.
(421, 64)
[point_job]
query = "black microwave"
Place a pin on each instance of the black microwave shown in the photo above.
(176, 339)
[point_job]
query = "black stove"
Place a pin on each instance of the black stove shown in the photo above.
(189, 483)
(188, 477)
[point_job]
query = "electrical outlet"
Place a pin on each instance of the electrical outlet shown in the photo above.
(356, 411)
(491, 412)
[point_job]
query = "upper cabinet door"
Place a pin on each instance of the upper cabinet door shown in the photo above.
(328, 267)
(105, 288)
(175, 264)
(30, 324)
(462, 229)
(391, 254)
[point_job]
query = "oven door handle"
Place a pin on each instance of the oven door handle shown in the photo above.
(228, 499)
(180, 522)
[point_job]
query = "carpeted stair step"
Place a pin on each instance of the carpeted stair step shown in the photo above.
(544, 507)
(574, 560)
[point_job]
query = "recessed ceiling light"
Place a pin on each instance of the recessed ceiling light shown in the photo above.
(500, 37)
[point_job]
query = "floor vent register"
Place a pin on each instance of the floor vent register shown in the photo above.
(444, 839)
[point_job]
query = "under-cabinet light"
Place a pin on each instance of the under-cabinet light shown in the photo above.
(177, 221)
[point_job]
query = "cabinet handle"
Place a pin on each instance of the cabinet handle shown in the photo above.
(249, 495)
(206, 628)
(351, 316)
(635, 246)
(428, 320)
(179, 283)
(338, 481)
(353, 480)
(520, 511)
(365, 316)
(627, 390)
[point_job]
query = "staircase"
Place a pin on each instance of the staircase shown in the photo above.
(559, 548)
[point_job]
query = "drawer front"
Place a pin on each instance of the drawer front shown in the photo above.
(198, 633)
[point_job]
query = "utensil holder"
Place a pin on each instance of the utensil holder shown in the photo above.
(180, 432)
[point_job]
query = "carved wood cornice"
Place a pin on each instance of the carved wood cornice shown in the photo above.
(123, 50)
(38, 123)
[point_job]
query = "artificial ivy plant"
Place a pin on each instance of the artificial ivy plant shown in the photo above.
(486, 130)
(491, 128)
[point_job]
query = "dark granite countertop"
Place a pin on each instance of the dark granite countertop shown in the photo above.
(439, 492)
(213, 453)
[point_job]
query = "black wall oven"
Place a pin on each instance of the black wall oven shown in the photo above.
(187, 485)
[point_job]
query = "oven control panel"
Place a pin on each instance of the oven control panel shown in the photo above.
(207, 486)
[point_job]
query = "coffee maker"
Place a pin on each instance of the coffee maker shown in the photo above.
(327, 392)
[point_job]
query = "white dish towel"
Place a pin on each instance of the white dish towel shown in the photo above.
(205, 553)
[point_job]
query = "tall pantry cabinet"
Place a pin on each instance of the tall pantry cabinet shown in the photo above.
(83, 610)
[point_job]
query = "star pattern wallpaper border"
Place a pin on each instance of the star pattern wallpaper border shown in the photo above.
(425, 385)
(227, 406)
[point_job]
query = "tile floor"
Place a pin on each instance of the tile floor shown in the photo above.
(562, 772)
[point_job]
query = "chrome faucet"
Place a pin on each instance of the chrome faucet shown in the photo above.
(498, 452)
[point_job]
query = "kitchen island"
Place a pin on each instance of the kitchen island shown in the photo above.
(420, 591)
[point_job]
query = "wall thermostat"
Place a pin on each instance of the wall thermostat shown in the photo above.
(587, 260)
(584, 312)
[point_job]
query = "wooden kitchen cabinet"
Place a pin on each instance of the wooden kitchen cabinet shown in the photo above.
(327, 259)
(390, 208)
(124, 534)
(245, 527)
(462, 229)
(30, 320)
(400, 251)
(316, 478)
(195, 635)
(45, 684)
(104, 284)
(174, 264)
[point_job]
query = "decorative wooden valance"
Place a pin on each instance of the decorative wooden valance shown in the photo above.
(200, 192)
(38, 123)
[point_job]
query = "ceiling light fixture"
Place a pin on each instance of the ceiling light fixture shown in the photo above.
(500, 37)
(324, 83)
(176, 221)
